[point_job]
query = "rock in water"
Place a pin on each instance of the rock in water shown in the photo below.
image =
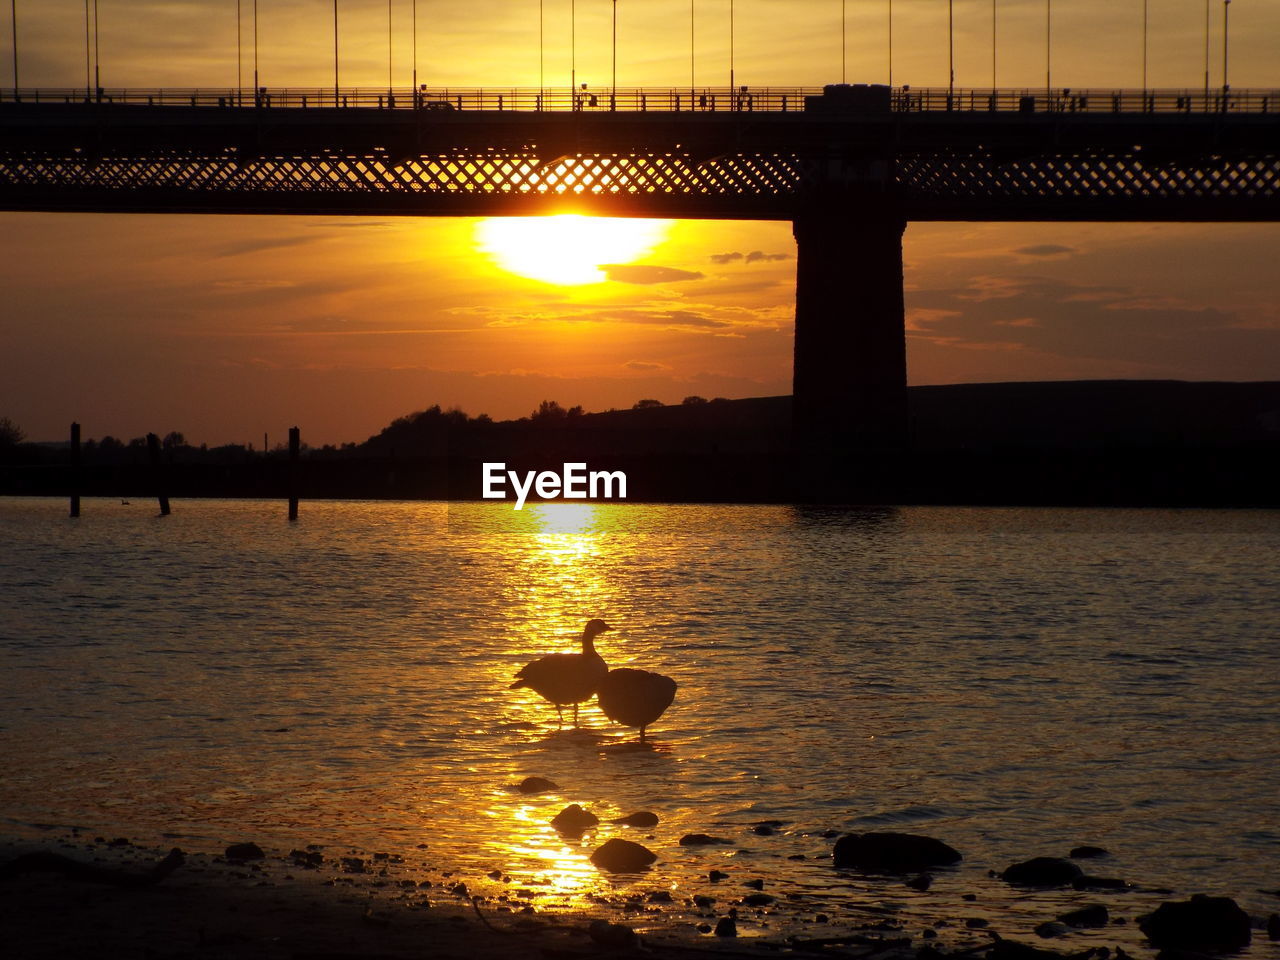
(1088, 852)
(701, 840)
(573, 820)
(623, 856)
(536, 785)
(892, 852)
(1201, 923)
(1094, 916)
(726, 927)
(244, 851)
(1042, 872)
(1051, 929)
(615, 935)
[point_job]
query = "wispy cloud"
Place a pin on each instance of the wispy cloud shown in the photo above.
(642, 273)
(1045, 250)
(755, 256)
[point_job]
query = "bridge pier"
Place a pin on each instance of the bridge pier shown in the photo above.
(850, 374)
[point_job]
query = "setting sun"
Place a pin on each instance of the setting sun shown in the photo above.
(568, 249)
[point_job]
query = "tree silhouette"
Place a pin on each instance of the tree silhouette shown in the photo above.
(10, 433)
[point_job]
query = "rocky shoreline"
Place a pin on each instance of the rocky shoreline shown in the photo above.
(72, 895)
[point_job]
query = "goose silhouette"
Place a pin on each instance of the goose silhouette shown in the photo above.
(564, 678)
(635, 698)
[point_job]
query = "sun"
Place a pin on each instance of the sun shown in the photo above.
(566, 249)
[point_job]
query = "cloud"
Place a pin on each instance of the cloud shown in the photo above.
(646, 273)
(251, 286)
(1094, 330)
(1045, 250)
(668, 318)
(645, 365)
(241, 248)
(755, 256)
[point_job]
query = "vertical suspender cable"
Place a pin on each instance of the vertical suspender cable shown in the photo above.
(88, 80)
(13, 19)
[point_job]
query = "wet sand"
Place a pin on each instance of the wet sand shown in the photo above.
(344, 904)
(277, 908)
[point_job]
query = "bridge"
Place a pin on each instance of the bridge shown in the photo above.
(849, 166)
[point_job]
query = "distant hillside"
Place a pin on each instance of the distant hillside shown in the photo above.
(1114, 443)
(1068, 415)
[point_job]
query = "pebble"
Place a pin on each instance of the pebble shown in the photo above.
(1052, 929)
(1092, 916)
(622, 856)
(611, 934)
(889, 852)
(700, 840)
(1042, 872)
(726, 927)
(536, 785)
(237, 851)
(1214, 923)
(573, 820)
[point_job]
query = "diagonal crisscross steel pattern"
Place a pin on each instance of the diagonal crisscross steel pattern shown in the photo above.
(928, 183)
(486, 173)
(948, 176)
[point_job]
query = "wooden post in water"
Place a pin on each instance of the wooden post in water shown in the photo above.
(75, 470)
(157, 472)
(295, 445)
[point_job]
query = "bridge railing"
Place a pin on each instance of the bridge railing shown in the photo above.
(903, 99)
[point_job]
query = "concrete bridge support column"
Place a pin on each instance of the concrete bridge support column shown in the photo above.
(850, 375)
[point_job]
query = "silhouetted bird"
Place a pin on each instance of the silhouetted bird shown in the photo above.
(563, 678)
(635, 698)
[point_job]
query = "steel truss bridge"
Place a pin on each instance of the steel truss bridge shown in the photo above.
(849, 166)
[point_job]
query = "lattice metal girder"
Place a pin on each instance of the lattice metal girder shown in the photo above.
(929, 185)
(1070, 181)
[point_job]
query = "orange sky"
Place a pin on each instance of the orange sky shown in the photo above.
(229, 327)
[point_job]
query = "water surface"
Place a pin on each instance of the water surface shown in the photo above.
(1013, 681)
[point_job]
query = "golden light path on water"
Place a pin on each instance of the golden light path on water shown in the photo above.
(564, 536)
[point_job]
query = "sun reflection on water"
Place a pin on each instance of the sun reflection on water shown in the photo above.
(556, 582)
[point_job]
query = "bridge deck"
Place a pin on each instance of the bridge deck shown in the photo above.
(1175, 159)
